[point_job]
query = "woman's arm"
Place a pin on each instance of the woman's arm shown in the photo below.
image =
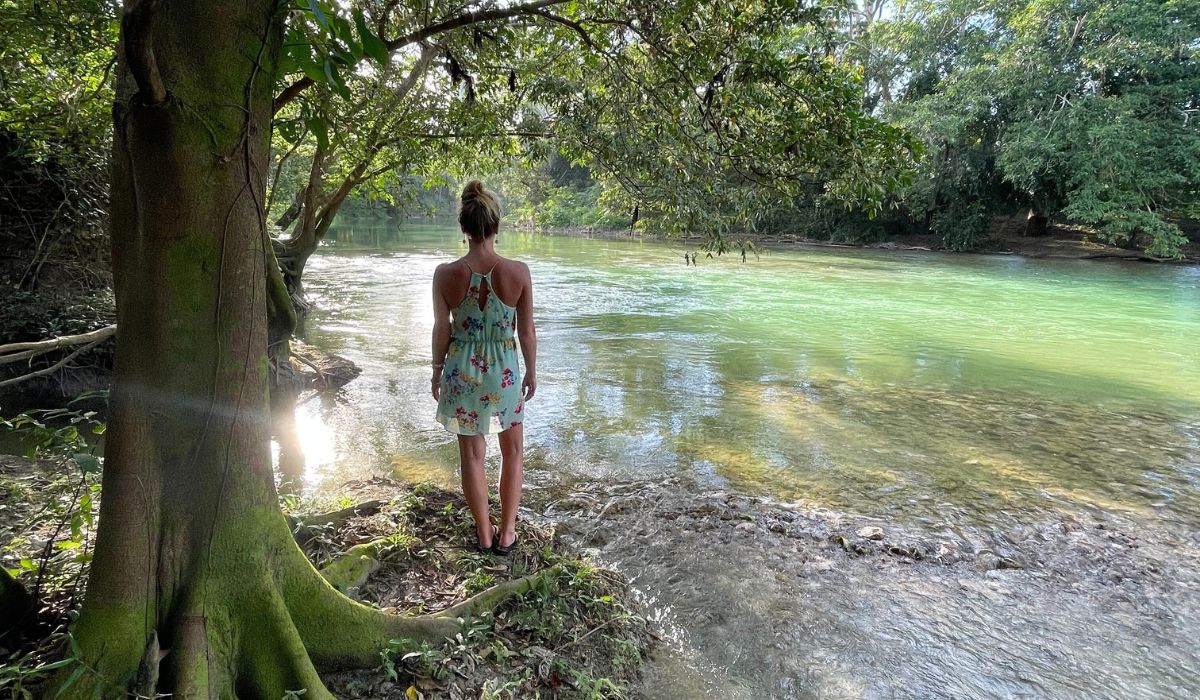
(441, 327)
(527, 334)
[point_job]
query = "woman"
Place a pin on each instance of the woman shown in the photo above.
(478, 301)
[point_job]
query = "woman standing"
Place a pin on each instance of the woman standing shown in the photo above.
(479, 301)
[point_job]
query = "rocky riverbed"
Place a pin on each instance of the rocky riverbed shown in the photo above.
(762, 598)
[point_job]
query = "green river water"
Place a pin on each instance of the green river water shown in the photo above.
(922, 385)
(1044, 410)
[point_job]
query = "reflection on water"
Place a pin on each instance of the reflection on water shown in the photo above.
(934, 388)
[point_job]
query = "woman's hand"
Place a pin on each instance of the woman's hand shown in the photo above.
(529, 386)
(437, 382)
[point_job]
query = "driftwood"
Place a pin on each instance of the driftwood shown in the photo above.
(17, 352)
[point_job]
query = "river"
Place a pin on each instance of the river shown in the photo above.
(1026, 409)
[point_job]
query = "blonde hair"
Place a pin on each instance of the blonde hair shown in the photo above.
(479, 211)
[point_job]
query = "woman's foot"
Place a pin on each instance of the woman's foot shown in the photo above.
(499, 546)
(491, 541)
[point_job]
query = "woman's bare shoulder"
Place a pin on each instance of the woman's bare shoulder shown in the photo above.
(515, 267)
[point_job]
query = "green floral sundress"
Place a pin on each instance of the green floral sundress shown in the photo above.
(479, 392)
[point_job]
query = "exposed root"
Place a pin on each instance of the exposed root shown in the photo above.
(349, 571)
(491, 598)
(306, 528)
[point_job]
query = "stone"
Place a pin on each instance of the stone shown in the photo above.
(870, 533)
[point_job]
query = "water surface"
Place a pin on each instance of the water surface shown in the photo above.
(936, 388)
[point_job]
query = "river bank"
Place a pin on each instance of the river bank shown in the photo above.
(576, 630)
(1007, 238)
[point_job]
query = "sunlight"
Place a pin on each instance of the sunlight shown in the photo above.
(318, 442)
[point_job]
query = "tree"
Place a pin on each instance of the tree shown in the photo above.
(193, 552)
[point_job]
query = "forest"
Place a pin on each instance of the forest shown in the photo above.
(170, 169)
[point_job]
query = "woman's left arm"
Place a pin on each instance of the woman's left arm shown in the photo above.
(441, 328)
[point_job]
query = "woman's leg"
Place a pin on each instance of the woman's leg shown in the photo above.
(512, 474)
(471, 451)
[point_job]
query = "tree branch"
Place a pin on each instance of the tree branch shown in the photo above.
(53, 368)
(464, 20)
(23, 351)
(138, 44)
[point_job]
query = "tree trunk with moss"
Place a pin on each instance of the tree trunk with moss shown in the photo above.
(192, 547)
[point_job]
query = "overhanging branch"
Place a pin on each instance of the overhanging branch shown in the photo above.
(293, 91)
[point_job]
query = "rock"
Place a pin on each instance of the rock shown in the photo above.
(745, 526)
(870, 533)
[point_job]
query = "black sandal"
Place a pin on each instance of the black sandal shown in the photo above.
(500, 549)
(487, 550)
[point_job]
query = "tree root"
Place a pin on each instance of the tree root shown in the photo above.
(351, 570)
(305, 529)
(491, 598)
(263, 622)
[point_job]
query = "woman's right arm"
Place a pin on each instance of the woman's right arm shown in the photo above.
(527, 334)
(441, 327)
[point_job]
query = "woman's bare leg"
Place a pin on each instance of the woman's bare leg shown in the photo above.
(471, 451)
(512, 475)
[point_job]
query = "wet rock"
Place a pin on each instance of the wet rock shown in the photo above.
(870, 533)
(988, 561)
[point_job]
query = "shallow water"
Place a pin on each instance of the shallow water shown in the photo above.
(965, 397)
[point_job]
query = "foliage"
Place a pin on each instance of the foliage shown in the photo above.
(49, 539)
(55, 134)
(1079, 108)
(555, 193)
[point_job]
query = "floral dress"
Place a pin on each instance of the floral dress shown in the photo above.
(479, 392)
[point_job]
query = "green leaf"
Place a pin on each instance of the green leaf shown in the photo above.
(54, 665)
(88, 464)
(75, 675)
(372, 45)
(335, 80)
(320, 129)
(318, 14)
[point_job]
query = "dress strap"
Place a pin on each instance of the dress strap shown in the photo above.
(474, 272)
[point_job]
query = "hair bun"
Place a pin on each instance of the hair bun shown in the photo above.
(479, 211)
(473, 190)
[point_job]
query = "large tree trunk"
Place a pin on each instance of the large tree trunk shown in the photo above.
(192, 548)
